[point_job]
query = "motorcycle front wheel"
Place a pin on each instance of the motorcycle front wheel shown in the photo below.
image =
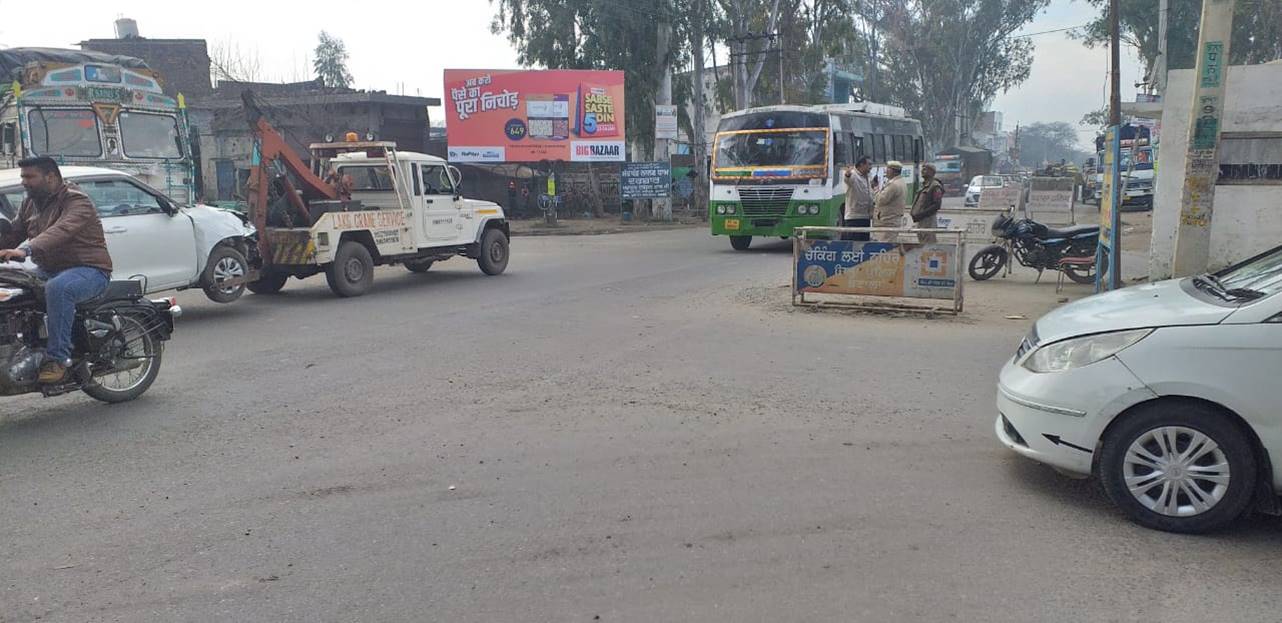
(987, 263)
(136, 367)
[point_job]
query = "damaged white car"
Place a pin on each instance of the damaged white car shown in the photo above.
(153, 240)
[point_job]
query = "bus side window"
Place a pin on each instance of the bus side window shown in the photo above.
(878, 149)
(858, 143)
(840, 149)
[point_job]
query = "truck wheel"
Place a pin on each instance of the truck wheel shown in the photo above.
(494, 252)
(740, 243)
(352, 271)
(268, 283)
(419, 266)
(225, 262)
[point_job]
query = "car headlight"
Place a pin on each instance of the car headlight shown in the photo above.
(1082, 351)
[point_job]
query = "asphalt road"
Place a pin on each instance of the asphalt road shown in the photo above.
(621, 428)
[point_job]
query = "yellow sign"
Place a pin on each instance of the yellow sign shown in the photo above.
(732, 223)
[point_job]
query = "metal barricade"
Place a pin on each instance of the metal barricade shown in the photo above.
(824, 264)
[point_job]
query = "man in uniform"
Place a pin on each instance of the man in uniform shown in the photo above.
(930, 198)
(890, 203)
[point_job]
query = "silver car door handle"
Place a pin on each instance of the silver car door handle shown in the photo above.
(115, 230)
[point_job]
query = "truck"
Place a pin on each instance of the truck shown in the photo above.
(948, 170)
(96, 110)
(359, 205)
(1137, 168)
(974, 161)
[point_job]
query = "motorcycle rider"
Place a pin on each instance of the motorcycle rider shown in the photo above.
(65, 240)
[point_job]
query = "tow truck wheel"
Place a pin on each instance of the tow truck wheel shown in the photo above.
(494, 252)
(268, 283)
(352, 271)
(418, 266)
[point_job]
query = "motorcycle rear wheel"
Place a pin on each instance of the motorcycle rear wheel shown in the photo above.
(987, 263)
(1080, 274)
(127, 383)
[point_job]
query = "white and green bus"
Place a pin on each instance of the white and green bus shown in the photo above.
(776, 168)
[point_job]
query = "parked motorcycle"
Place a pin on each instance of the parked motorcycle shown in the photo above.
(116, 343)
(1037, 246)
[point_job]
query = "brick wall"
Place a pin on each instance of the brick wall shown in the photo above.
(183, 64)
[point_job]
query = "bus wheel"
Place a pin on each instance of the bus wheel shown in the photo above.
(740, 243)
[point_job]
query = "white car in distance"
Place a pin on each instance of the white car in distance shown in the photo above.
(151, 239)
(1164, 392)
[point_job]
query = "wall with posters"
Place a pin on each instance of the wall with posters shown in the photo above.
(530, 116)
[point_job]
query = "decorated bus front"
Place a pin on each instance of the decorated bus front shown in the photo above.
(99, 114)
(772, 171)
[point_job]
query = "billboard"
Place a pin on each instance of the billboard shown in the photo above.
(528, 116)
(908, 270)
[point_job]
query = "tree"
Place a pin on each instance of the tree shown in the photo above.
(951, 57)
(1096, 120)
(331, 62)
(1040, 143)
(749, 40)
(1257, 31)
(229, 62)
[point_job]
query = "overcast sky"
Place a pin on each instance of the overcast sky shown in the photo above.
(404, 46)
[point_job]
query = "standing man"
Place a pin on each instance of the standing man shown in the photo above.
(890, 202)
(930, 198)
(858, 199)
(64, 238)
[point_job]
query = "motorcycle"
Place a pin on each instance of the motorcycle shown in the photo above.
(117, 338)
(1037, 246)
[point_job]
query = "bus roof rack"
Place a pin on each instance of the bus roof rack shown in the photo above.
(871, 108)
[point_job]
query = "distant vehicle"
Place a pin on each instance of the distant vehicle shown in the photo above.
(1138, 172)
(93, 109)
(948, 169)
(977, 186)
(1165, 392)
(152, 239)
(776, 168)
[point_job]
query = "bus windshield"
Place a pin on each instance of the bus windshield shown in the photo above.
(64, 133)
(149, 135)
(774, 148)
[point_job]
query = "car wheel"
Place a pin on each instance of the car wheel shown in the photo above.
(419, 266)
(268, 283)
(352, 271)
(987, 263)
(740, 243)
(493, 252)
(225, 262)
(1178, 467)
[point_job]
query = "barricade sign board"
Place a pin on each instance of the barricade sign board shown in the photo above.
(1050, 200)
(976, 222)
(1001, 198)
(645, 180)
(900, 270)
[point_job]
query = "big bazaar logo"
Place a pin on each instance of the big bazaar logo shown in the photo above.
(597, 150)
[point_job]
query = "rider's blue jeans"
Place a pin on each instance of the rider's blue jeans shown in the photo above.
(63, 290)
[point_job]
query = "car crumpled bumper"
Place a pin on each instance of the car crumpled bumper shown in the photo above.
(1057, 418)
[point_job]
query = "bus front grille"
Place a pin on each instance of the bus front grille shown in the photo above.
(764, 200)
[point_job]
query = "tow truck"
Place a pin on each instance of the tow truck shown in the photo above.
(361, 204)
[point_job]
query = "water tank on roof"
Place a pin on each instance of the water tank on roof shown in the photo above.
(126, 28)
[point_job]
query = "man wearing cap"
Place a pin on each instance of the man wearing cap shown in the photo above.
(930, 198)
(892, 200)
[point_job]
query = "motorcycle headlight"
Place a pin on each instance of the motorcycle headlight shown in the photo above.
(1082, 351)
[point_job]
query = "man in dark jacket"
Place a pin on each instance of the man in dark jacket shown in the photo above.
(64, 238)
(930, 198)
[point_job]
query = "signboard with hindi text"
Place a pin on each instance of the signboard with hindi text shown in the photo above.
(645, 180)
(530, 116)
(906, 270)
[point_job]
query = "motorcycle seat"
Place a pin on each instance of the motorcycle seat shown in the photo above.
(1071, 231)
(116, 291)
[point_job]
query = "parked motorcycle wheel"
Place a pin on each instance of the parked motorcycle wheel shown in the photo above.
(987, 263)
(1080, 274)
(138, 369)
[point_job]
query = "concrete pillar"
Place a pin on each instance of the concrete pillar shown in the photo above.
(1202, 166)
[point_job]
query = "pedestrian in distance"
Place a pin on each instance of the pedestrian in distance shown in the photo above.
(926, 205)
(891, 202)
(859, 199)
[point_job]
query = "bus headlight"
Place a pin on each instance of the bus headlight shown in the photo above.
(807, 209)
(721, 209)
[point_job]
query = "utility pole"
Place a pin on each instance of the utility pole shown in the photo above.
(1158, 80)
(1202, 164)
(779, 42)
(663, 207)
(1108, 257)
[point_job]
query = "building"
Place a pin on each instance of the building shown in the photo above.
(1246, 219)
(183, 64)
(304, 113)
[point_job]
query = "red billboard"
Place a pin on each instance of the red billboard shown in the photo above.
(528, 116)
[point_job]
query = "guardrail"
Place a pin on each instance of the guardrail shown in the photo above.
(869, 274)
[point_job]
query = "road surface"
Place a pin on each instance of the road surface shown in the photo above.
(621, 428)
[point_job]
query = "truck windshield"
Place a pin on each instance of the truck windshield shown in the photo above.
(150, 136)
(368, 177)
(772, 149)
(65, 133)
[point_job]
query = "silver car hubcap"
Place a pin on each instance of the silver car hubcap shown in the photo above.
(1176, 471)
(228, 268)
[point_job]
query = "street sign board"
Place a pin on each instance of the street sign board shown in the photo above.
(645, 180)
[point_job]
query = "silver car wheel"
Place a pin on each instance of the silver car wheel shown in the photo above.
(228, 268)
(1176, 471)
